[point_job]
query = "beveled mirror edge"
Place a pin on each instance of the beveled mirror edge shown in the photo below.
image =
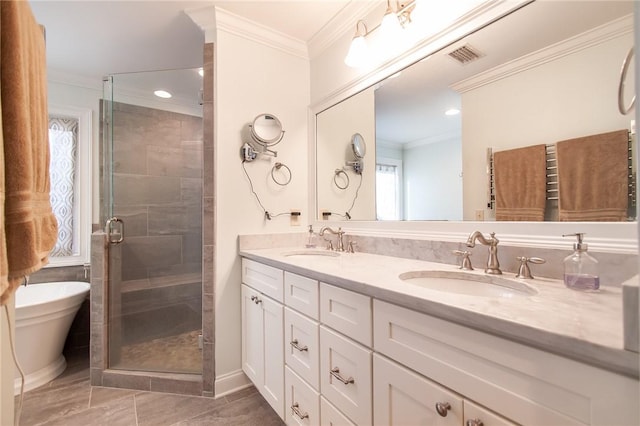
(603, 237)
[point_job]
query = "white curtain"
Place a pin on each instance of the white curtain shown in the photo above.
(387, 192)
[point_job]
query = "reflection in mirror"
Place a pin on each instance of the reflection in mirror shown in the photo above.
(358, 145)
(522, 87)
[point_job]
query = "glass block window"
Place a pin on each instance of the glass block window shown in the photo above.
(63, 143)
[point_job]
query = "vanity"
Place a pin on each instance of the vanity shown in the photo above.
(355, 338)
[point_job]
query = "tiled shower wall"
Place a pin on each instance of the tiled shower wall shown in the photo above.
(157, 184)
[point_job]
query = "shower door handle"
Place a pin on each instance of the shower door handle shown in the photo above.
(114, 230)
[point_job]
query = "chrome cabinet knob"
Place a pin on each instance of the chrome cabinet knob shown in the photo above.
(256, 299)
(474, 422)
(443, 408)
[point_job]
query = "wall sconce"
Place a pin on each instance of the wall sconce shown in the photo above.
(358, 50)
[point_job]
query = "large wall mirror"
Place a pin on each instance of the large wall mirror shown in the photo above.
(544, 73)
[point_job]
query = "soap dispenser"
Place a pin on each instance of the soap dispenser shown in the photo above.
(580, 268)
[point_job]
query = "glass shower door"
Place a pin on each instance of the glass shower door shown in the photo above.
(152, 178)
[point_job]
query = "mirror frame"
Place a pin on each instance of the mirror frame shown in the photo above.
(359, 146)
(602, 237)
(262, 140)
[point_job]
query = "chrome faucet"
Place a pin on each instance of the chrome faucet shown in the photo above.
(493, 265)
(339, 233)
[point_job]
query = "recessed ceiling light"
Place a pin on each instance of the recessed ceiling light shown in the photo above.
(162, 94)
(452, 111)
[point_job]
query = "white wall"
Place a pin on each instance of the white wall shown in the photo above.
(252, 78)
(335, 127)
(579, 92)
(432, 181)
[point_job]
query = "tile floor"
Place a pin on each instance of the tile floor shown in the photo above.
(70, 400)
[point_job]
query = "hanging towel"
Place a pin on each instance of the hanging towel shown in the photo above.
(29, 228)
(520, 183)
(593, 177)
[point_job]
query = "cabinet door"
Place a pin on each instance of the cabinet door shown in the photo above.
(475, 415)
(405, 398)
(273, 374)
(302, 346)
(262, 346)
(301, 294)
(302, 401)
(345, 375)
(252, 336)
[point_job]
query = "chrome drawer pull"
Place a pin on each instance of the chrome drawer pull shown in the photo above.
(474, 422)
(294, 343)
(335, 372)
(255, 299)
(295, 410)
(443, 408)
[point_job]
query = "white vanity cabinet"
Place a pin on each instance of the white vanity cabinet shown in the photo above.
(262, 331)
(356, 360)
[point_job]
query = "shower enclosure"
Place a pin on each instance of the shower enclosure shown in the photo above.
(152, 174)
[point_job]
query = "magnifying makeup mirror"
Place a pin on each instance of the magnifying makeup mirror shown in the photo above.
(266, 129)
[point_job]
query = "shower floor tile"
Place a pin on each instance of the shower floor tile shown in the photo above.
(172, 354)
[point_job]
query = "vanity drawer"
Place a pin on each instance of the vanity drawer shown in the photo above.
(266, 279)
(302, 402)
(331, 416)
(301, 294)
(302, 346)
(347, 312)
(345, 375)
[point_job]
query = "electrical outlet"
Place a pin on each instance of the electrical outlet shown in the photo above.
(480, 215)
(325, 214)
(295, 217)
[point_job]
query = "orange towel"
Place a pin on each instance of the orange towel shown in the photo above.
(520, 183)
(593, 177)
(28, 223)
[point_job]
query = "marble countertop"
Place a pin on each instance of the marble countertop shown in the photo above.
(584, 326)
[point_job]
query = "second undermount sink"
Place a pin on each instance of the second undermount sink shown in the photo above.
(469, 284)
(312, 253)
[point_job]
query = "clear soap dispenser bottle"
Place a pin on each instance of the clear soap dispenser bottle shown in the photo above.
(580, 268)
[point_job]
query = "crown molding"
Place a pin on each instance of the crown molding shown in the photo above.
(343, 22)
(604, 33)
(443, 137)
(69, 79)
(205, 18)
(251, 30)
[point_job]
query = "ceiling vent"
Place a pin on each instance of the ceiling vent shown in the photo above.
(465, 54)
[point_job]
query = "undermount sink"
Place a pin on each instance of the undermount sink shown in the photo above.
(470, 284)
(312, 253)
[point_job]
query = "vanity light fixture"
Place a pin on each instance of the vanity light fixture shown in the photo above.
(390, 39)
(358, 50)
(162, 94)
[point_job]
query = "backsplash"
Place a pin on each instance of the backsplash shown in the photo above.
(615, 268)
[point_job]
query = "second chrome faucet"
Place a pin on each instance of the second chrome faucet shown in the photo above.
(493, 265)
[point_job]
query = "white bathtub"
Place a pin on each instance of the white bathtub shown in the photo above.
(44, 313)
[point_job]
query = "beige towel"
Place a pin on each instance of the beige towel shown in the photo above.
(520, 183)
(30, 228)
(593, 177)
